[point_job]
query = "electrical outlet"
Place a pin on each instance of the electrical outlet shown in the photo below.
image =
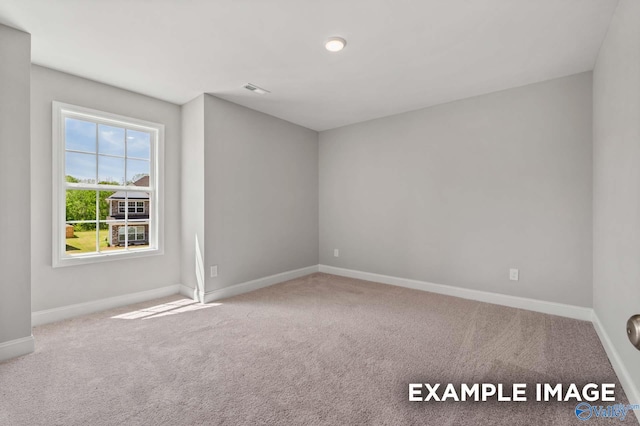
(514, 274)
(214, 271)
(336, 253)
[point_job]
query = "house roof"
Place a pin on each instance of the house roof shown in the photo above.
(121, 195)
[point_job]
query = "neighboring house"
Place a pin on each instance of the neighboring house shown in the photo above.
(137, 213)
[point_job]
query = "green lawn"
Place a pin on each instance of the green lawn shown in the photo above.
(85, 241)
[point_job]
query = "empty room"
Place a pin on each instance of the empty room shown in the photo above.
(299, 212)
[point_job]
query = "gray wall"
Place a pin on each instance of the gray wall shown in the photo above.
(76, 284)
(15, 285)
(192, 184)
(261, 194)
(616, 181)
(458, 193)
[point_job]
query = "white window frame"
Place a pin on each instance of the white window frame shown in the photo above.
(60, 185)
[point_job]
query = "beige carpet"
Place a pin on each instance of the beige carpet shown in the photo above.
(317, 350)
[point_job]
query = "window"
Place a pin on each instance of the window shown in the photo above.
(135, 234)
(107, 191)
(134, 207)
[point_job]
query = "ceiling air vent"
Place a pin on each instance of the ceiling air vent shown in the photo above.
(255, 89)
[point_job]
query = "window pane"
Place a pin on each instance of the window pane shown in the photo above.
(140, 233)
(80, 205)
(111, 170)
(138, 229)
(121, 233)
(112, 236)
(148, 204)
(79, 135)
(81, 238)
(137, 169)
(108, 212)
(80, 167)
(108, 206)
(136, 236)
(109, 240)
(138, 144)
(112, 212)
(138, 202)
(110, 140)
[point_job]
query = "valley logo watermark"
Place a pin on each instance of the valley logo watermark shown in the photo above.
(586, 396)
(585, 411)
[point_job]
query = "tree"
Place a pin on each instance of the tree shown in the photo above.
(81, 205)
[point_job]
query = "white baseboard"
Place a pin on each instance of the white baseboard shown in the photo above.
(26, 345)
(630, 388)
(57, 314)
(189, 292)
(248, 286)
(569, 311)
(17, 347)
(65, 312)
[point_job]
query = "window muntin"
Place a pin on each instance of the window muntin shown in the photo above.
(99, 156)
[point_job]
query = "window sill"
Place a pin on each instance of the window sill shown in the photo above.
(92, 258)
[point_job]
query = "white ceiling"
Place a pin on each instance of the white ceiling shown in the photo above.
(401, 54)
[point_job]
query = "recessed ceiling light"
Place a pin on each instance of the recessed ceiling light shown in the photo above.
(335, 44)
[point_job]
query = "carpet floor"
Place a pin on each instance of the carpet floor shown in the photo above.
(316, 350)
